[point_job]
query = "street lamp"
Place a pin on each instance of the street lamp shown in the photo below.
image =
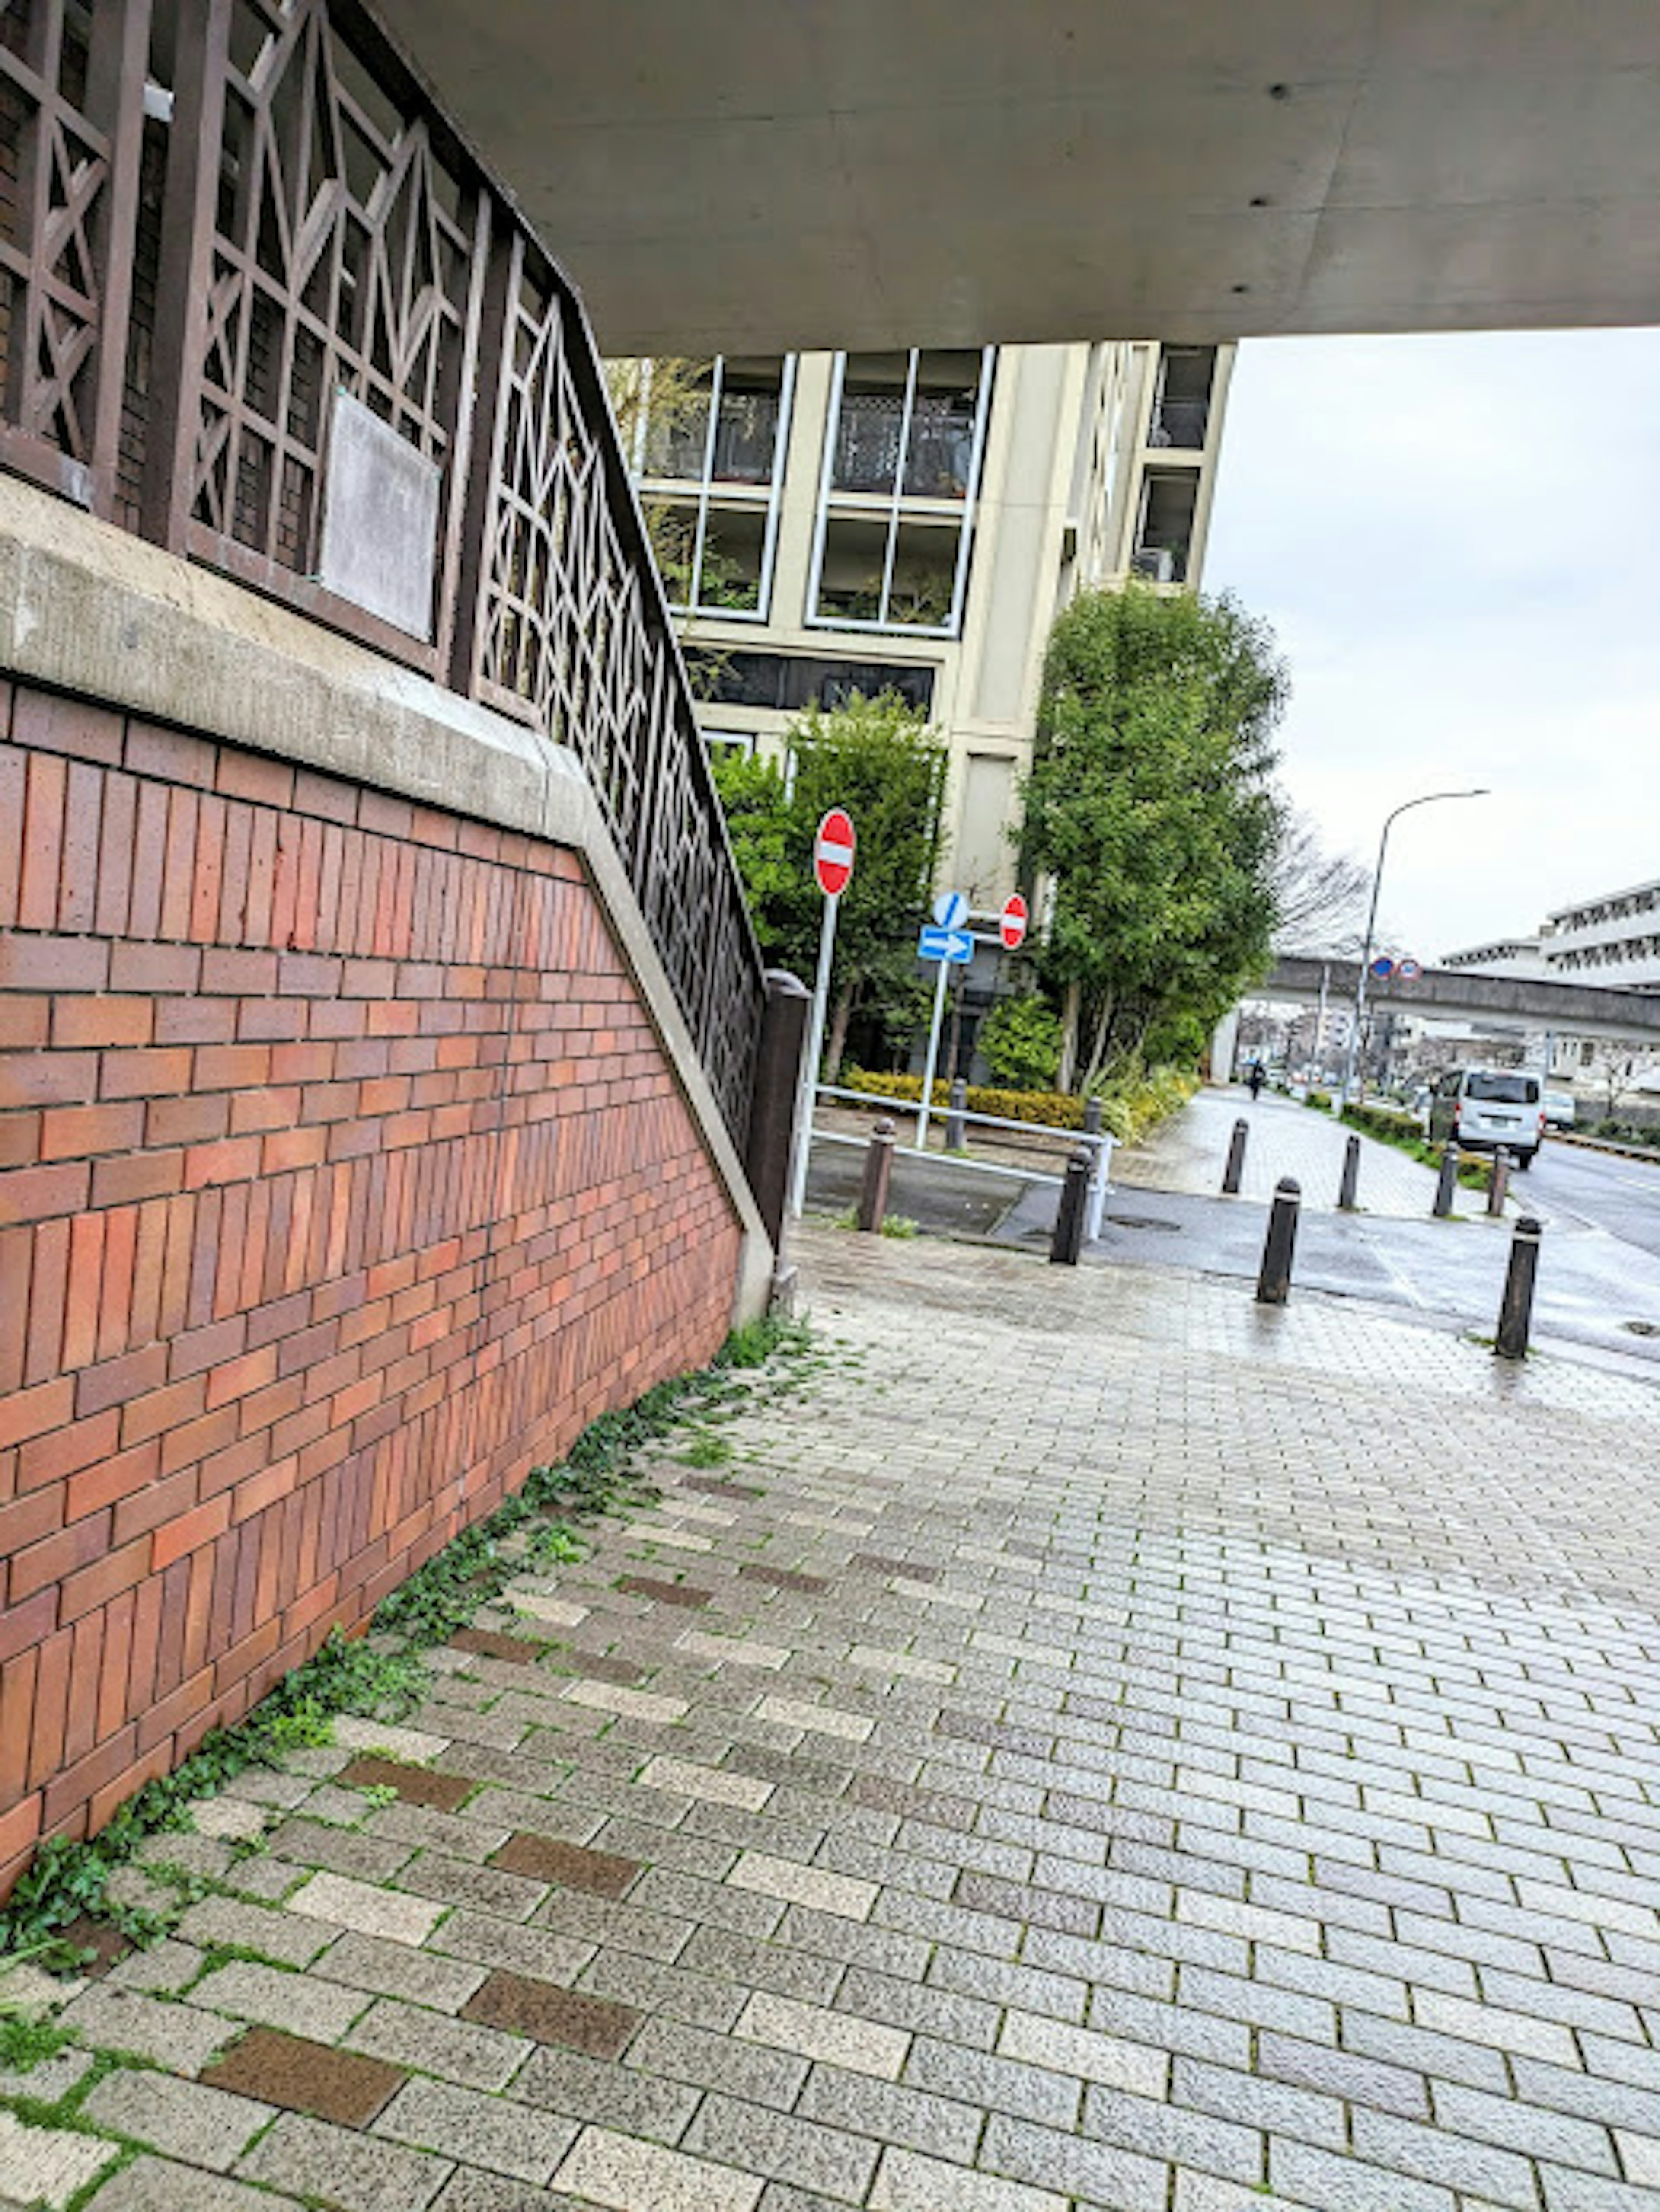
(1428, 798)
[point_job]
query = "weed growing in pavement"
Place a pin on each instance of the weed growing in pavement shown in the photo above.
(24, 2040)
(706, 1451)
(374, 1675)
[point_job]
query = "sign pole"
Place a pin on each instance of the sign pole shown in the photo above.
(934, 1054)
(809, 1092)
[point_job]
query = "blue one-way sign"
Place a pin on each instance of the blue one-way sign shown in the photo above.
(944, 944)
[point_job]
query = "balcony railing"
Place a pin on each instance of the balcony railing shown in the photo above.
(255, 299)
(1181, 423)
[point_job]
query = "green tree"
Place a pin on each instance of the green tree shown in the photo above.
(1021, 1040)
(876, 758)
(1150, 809)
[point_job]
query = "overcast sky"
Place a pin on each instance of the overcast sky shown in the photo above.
(1457, 541)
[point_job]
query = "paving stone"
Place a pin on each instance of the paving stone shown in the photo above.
(1061, 2047)
(794, 1884)
(827, 2159)
(649, 1705)
(602, 1873)
(475, 2056)
(579, 2088)
(485, 1942)
(821, 1720)
(1103, 2172)
(1310, 2176)
(321, 2011)
(732, 1650)
(345, 1904)
(671, 2050)
(277, 1936)
(415, 1785)
(546, 2014)
(157, 2185)
(48, 2165)
(891, 2113)
(203, 2126)
(344, 1851)
(784, 1578)
(275, 2069)
(370, 1963)
(451, 1881)
(49, 2079)
(907, 2182)
(362, 2173)
(619, 2172)
(173, 2035)
(164, 1969)
(839, 2039)
(666, 1593)
(354, 1734)
(493, 2132)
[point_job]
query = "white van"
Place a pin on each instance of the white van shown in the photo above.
(1481, 1108)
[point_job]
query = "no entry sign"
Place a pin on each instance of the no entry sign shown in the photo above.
(1012, 922)
(833, 852)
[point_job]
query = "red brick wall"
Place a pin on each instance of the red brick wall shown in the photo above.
(342, 1178)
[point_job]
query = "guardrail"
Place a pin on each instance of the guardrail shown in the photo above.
(259, 305)
(1101, 1144)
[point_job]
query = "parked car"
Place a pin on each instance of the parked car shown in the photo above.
(1482, 1107)
(1559, 1113)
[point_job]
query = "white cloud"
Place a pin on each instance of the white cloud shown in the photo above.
(1457, 540)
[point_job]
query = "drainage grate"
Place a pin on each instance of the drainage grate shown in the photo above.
(1641, 1328)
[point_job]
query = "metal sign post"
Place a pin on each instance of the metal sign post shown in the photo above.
(832, 862)
(951, 945)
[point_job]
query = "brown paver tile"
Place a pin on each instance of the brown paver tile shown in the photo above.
(783, 1577)
(912, 1570)
(306, 2077)
(490, 1643)
(601, 1874)
(542, 2010)
(603, 1666)
(720, 1485)
(415, 1785)
(662, 1592)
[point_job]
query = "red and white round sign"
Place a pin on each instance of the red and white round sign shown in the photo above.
(833, 852)
(1012, 922)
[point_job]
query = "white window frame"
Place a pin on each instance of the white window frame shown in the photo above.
(706, 494)
(896, 508)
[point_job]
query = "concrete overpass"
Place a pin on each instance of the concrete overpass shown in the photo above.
(735, 174)
(1578, 1009)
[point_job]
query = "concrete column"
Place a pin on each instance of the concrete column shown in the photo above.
(1224, 1047)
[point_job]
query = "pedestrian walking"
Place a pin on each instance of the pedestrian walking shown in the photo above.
(1256, 1079)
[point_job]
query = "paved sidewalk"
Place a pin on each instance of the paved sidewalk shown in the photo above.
(1077, 1755)
(1190, 1151)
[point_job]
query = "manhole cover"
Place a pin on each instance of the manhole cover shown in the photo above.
(1144, 1221)
(1641, 1328)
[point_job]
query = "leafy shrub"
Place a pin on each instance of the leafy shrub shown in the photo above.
(1128, 1109)
(1021, 1040)
(1319, 1100)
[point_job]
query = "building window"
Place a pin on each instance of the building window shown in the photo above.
(901, 458)
(711, 460)
(791, 681)
(1164, 529)
(1181, 405)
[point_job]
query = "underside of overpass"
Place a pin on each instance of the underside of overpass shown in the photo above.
(1463, 993)
(746, 176)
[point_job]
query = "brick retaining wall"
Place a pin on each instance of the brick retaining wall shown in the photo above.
(343, 1177)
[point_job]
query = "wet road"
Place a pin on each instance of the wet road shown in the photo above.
(1601, 1189)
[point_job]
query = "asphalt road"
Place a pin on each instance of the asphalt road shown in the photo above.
(1598, 1189)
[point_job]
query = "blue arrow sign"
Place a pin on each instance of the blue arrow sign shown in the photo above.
(945, 944)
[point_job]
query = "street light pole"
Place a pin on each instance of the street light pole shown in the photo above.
(1428, 798)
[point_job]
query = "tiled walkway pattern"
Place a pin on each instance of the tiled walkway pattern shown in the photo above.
(1102, 1746)
(1190, 1152)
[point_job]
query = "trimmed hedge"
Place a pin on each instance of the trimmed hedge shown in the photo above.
(1127, 1113)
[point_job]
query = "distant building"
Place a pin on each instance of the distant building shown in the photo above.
(1613, 938)
(914, 521)
(1504, 955)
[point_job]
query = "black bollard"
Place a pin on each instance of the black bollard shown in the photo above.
(1350, 1183)
(1091, 1117)
(1515, 1312)
(955, 1140)
(1069, 1215)
(1499, 1188)
(1236, 1166)
(1280, 1245)
(1446, 1183)
(879, 1167)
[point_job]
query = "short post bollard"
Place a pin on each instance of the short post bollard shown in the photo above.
(1499, 1188)
(956, 1139)
(1069, 1239)
(1280, 1245)
(1446, 1183)
(1515, 1312)
(879, 1167)
(1236, 1167)
(1351, 1181)
(1091, 1117)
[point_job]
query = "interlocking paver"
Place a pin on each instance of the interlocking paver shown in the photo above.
(1220, 1773)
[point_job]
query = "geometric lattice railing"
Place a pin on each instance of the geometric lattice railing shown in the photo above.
(258, 301)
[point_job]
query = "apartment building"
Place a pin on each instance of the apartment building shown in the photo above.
(914, 521)
(1612, 939)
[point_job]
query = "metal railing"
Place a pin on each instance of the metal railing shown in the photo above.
(207, 237)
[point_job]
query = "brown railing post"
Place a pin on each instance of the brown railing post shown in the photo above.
(772, 1099)
(183, 283)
